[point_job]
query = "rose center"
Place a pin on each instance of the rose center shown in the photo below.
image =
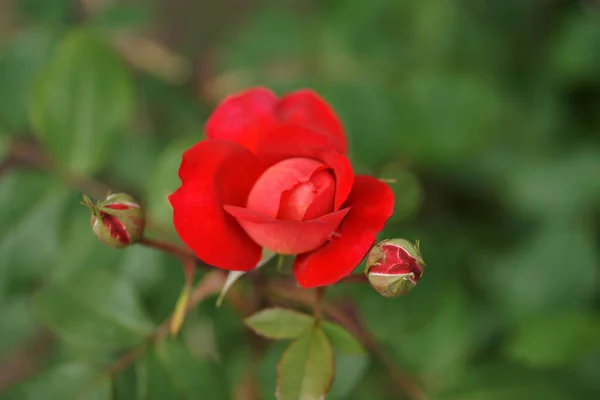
(296, 189)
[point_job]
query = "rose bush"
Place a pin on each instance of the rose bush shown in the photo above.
(273, 173)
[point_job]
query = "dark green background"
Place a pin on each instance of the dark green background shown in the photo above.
(486, 112)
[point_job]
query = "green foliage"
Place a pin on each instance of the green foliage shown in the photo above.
(485, 113)
(81, 102)
(64, 381)
(305, 370)
(341, 339)
(93, 310)
(279, 323)
(170, 371)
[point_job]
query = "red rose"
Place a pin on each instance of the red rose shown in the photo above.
(273, 173)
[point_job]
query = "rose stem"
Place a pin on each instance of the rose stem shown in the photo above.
(319, 294)
(182, 254)
(354, 279)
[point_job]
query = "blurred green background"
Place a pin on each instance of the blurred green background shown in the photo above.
(486, 112)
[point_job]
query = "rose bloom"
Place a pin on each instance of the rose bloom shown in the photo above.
(273, 173)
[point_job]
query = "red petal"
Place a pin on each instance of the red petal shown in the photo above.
(372, 203)
(213, 173)
(287, 237)
(307, 109)
(265, 196)
(242, 116)
(295, 141)
(309, 200)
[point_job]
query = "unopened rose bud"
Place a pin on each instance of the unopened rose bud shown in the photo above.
(117, 221)
(394, 267)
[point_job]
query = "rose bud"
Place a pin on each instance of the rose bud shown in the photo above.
(394, 267)
(118, 221)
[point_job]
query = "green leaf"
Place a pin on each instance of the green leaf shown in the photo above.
(115, 16)
(349, 370)
(94, 311)
(341, 339)
(20, 323)
(279, 323)
(171, 371)
(72, 380)
(20, 193)
(555, 340)
(305, 370)
(81, 102)
(22, 60)
(33, 219)
(45, 12)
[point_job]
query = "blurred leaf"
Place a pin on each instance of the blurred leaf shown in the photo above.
(72, 380)
(341, 339)
(5, 145)
(556, 187)
(502, 380)
(279, 323)
(131, 160)
(349, 371)
(171, 372)
(555, 269)
(21, 60)
(143, 267)
(163, 181)
(81, 102)
(407, 191)
(20, 191)
(575, 55)
(19, 323)
(267, 369)
(445, 119)
(93, 310)
(28, 222)
(125, 384)
(114, 15)
(81, 250)
(305, 370)
(46, 12)
(555, 340)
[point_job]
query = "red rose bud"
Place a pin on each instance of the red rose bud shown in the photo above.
(117, 221)
(394, 267)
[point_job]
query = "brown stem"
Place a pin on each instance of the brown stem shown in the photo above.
(184, 255)
(318, 300)
(354, 279)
